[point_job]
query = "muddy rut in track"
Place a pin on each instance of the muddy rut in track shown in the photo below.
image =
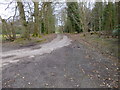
(14, 55)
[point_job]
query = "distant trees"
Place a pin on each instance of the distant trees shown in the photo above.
(103, 16)
(34, 21)
(76, 17)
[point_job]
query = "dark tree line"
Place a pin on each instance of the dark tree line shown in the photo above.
(104, 16)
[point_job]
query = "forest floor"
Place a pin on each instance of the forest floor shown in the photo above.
(106, 46)
(62, 63)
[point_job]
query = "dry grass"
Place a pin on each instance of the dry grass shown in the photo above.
(103, 44)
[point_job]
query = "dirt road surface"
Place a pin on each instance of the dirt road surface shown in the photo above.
(61, 63)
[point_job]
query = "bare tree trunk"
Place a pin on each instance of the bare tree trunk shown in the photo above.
(13, 31)
(119, 21)
(45, 17)
(23, 20)
(36, 15)
(119, 12)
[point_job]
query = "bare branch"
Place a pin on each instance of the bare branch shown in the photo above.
(15, 13)
(9, 4)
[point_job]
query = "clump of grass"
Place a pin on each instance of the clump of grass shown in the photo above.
(25, 41)
(39, 41)
(108, 44)
(40, 36)
(21, 41)
(18, 40)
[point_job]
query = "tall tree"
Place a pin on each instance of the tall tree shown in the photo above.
(119, 13)
(13, 30)
(109, 17)
(74, 16)
(97, 14)
(84, 17)
(23, 20)
(36, 21)
(48, 18)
